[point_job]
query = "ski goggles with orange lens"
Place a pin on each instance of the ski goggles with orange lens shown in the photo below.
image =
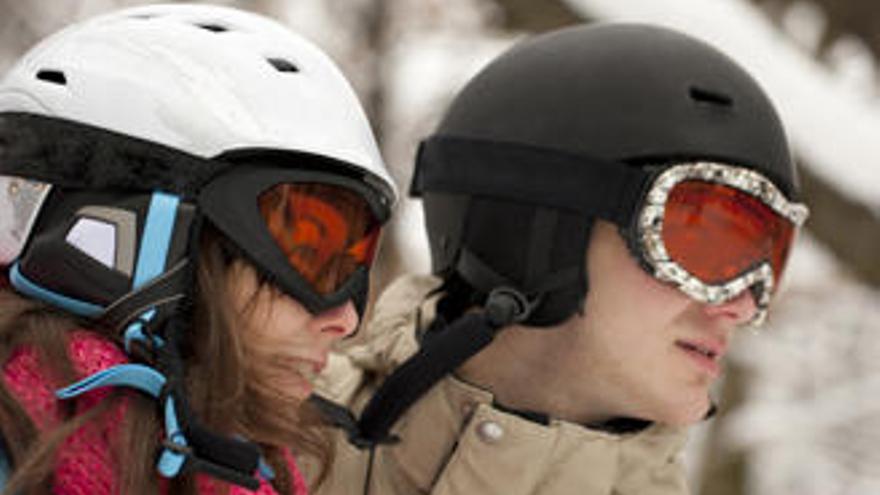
(715, 230)
(314, 234)
(325, 231)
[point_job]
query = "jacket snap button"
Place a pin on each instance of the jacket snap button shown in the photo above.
(490, 431)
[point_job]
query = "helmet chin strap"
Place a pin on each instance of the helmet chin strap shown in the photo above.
(231, 459)
(438, 356)
(187, 445)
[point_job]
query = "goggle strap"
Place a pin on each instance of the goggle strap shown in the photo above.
(509, 172)
(43, 148)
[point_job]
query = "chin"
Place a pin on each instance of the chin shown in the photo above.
(686, 412)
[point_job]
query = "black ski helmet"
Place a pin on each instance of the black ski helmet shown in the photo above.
(562, 129)
(509, 180)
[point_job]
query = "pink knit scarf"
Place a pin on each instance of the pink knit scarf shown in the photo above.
(85, 464)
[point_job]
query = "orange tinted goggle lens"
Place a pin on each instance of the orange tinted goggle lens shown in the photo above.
(717, 232)
(326, 232)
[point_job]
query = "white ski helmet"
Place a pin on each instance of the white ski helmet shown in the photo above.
(206, 81)
(201, 79)
(120, 134)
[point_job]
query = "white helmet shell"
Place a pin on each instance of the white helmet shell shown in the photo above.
(202, 79)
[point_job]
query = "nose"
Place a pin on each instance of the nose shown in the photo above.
(741, 309)
(338, 322)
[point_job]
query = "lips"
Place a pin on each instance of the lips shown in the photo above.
(705, 354)
(690, 346)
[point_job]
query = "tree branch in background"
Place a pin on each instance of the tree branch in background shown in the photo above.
(377, 24)
(527, 15)
(844, 18)
(16, 35)
(845, 226)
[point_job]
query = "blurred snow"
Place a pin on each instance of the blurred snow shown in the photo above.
(426, 72)
(811, 418)
(805, 23)
(853, 66)
(837, 129)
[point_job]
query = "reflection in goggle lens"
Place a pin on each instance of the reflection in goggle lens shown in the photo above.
(326, 232)
(717, 232)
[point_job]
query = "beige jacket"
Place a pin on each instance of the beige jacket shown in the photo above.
(454, 442)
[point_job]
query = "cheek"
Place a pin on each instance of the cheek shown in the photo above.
(280, 319)
(662, 303)
(629, 297)
(619, 289)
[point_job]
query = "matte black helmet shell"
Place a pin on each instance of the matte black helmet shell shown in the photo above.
(630, 94)
(627, 92)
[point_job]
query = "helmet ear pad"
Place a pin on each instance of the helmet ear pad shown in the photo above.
(489, 243)
(53, 260)
(84, 252)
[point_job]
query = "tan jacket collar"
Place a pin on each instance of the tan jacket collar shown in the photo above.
(456, 413)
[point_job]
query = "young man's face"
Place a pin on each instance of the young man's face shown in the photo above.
(649, 351)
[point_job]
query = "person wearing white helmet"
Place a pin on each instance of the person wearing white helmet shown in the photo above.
(190, 202)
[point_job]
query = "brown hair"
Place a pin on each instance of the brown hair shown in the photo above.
(226, 383)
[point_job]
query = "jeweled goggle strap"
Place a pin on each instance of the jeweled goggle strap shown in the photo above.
(650, 232)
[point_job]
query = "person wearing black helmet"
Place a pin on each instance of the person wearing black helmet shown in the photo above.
(605, 205)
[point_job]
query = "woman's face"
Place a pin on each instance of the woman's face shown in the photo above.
(649, 350)
(290, 343)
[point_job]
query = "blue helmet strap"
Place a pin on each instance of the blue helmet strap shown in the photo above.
(152, 256)
(227, 458)
(137, 313)
(178, 454)
(149, 381)
(151, 315)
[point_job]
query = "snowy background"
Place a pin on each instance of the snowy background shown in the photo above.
(801, 405)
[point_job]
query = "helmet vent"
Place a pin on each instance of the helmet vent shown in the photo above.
(710, 97)
(282, 65)
(52, 76)
(213, 27)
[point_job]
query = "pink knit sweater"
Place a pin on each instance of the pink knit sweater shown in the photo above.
(85, 462)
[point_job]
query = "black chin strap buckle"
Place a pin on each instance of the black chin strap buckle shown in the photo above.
(464, 337)
(507, 306)
(342, 418)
